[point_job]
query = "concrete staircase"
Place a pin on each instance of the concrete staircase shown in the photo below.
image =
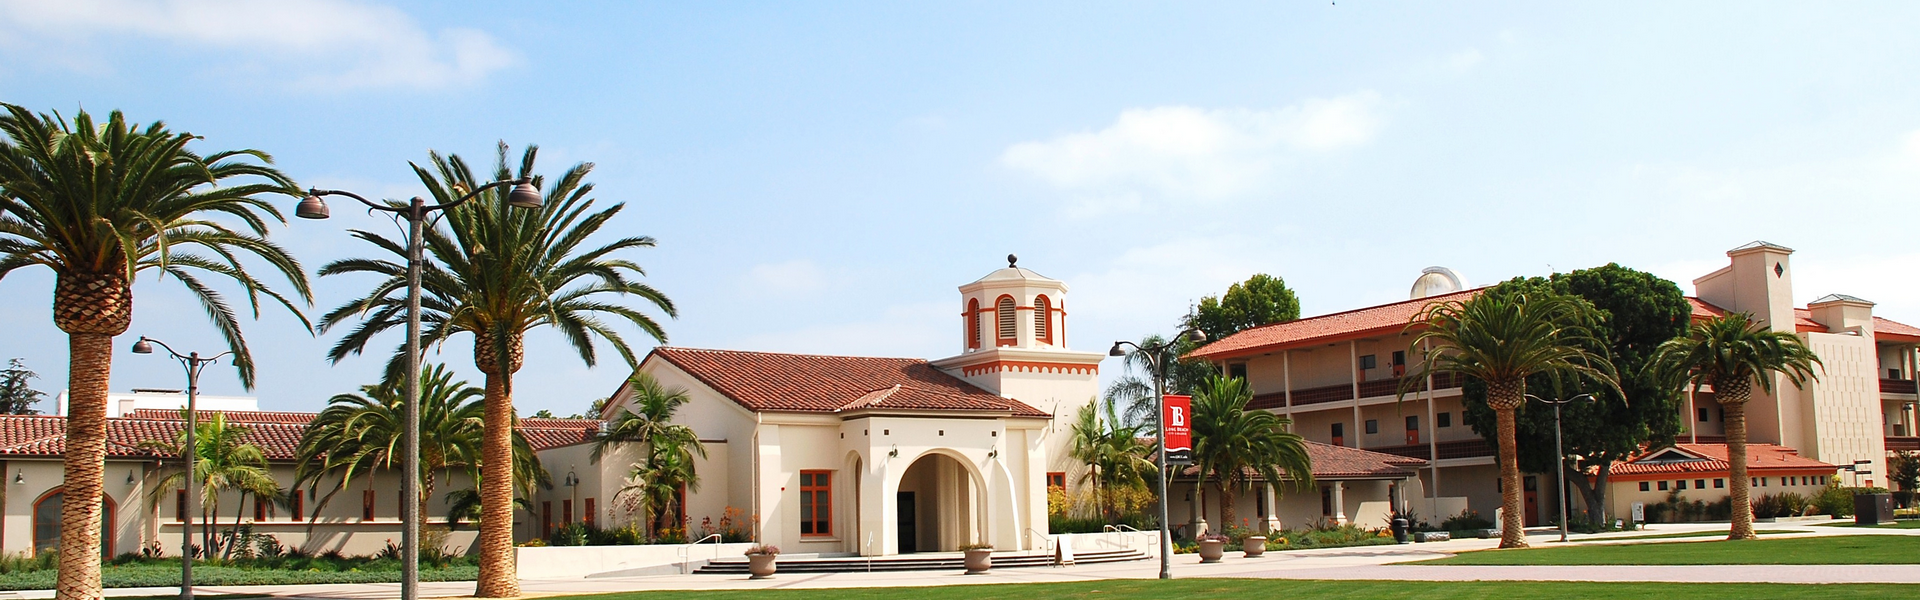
(940, 561)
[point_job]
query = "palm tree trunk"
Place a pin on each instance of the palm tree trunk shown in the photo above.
(498, 578)
(1504, 397)
(1226, 505)
(1733, 398)
(90, 365)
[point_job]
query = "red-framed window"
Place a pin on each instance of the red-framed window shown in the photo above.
(566, 512)
(260, 508)
(546, 518)
(366, 505)
(1057, 479)
(298, 505)
(1005, 317)
(180, 506)
(816, 503)
(588, 516)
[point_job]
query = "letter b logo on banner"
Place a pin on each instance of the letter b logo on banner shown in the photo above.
(1178, 417)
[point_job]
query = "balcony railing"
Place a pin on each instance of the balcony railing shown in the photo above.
(1453, 449)
(1902, 444)
(1344, 391)
(1896, 386)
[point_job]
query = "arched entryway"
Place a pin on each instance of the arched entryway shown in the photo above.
(938, 506)
(46, 522)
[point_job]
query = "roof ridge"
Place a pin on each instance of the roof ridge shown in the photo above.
(798, 354)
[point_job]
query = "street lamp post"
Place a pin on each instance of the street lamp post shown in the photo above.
(1560, 456)
(1156, 364)
(193, 363)
(416, 212)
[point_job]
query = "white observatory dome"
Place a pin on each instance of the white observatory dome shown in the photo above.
(1435, 281)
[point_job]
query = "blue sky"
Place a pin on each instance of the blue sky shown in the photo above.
(821, 176)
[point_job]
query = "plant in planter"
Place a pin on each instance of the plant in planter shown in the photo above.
(760, 558)
(1212, 547)
(1254, 545)
(979, 558)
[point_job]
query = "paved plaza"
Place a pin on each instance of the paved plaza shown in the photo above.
(1361, 563)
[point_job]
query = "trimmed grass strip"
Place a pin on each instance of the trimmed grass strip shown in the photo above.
(1234, 589)
(1829, 550)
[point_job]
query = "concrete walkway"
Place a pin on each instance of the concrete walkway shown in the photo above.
(1362, 563)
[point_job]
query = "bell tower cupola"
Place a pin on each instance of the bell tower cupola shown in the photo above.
(1013, 308)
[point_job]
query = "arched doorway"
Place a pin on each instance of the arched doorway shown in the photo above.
(937, 507)
(46, 523)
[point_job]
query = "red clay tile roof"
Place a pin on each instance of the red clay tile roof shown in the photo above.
(1341, 462)
(1894, 331)
(765, 381)
(233, 416)
(276, 433)
(1802, 318)
(1372, 320)
(1712, 458)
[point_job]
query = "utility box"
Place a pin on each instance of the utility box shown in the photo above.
(1872, 509)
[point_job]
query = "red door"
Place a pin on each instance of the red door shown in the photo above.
(1531, 511)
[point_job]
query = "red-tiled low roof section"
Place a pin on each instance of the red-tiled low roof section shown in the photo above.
(767, 381)
(1361, 322)
(1710, 459)
(1888, 330)
(276, 433)
(1332, 462)
(233, 416)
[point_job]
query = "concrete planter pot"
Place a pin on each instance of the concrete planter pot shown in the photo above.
(761, 565)
(1212, 550)
(979, 561)
(1255, 546)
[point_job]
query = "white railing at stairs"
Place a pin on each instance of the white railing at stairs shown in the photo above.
(869, 552)
(1045, 540)
(686, 551)
(1125, 528)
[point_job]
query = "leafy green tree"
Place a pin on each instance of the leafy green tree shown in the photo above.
(1903, 469)
(1115, 456)
(1231, 442)
(1503, 337)
(1639, 311)
(223, 460)
(98, 204)
(1260, 300)
(16, 392)
(1728, 354)
(497, 273)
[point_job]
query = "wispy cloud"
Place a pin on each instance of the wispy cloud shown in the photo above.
(308, 44)
(1188, 153)
(793, 277)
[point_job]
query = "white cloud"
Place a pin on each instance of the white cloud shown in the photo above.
(316, 43)
(798, 276)
(1465, 60)
(1185, 152)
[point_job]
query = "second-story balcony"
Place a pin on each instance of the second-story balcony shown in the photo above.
(1344, 391)
(1473, 448)
(1902, 443)
(1896, 386)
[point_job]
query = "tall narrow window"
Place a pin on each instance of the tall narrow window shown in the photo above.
(816, 503)
(366, 505)
(546, 518)
(180, 505)
(973, 323)
(1004, 313)
(260, 508)
(1042, 315)
(587, 514)
(566, 512)
(299, 505)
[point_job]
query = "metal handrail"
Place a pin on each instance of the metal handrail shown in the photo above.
(1119, 527)
(869, 552)
(1046, 539)
(1125, 528)
(686, 550)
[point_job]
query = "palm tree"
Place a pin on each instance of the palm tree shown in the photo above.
(1501, 338)
(1231, 443)
(1135, 392)
(1113, 452)
(654, 487)
(223, 460)
(498, 272)
(99, 204)
(651, 424)
(1729, 353)
(357, 434)
(529, 476)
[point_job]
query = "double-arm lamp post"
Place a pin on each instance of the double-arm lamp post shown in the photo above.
(1560, 456)
(1156, 358)
(416, 212)
(193, 363)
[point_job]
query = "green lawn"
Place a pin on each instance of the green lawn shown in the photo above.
(1831, 550)
(1901, 524)
(1669, 536)
(158, 575)
(1235, 589)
